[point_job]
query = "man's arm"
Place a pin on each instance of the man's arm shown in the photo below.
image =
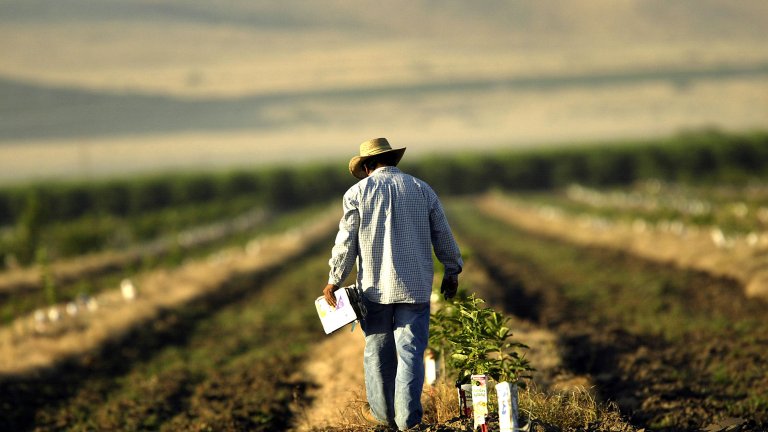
(446, 249)
(344, 251)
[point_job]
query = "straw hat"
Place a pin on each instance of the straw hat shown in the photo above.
(371, 148)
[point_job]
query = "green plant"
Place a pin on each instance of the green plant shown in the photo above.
(476, 340)
(28, 229)
(47, 280)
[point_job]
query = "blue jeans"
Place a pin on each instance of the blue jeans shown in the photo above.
(396, 336)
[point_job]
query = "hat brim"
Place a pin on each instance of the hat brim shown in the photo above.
(356, 163)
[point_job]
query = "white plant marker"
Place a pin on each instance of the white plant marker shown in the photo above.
(128, 290)
(508, 414)
(92, 305)
(40, 319)
(718, 238)
(40, 316)
(753, 239)
(430, 367)
(72, 309)
(480, 401)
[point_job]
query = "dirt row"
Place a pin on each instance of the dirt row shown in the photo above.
(698, 380)
(687, 247)
(24, 352)
(66, 271)
(234, 368)
(687, 382)
(334, 367)
(219, 360)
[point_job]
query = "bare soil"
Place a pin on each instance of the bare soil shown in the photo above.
(694, 380)
(684, 382)
(335, 367)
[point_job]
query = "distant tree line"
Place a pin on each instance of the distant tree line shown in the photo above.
(81, 213)
(281, 187)
(701, 157)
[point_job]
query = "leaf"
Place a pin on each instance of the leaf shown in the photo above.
(460, 357)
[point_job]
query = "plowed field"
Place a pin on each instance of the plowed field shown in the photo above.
(676, 349)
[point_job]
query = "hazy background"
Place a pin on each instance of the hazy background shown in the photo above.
(110, 87)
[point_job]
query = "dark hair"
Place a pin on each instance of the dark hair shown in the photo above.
(386, 159)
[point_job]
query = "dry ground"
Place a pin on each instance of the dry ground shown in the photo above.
(24, 349)
(335, 366)
(654, 380)
(692, 248)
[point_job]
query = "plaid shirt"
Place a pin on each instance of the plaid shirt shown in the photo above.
(391, 223)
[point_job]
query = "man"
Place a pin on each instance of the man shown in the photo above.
(391, 223)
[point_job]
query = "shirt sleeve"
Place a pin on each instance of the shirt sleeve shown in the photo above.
(345, 247)
(446, 249)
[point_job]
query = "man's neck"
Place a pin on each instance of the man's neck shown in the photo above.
(378, 167)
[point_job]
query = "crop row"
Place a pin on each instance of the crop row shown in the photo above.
(28, 343)
(701, 158)
(69, 219)
(70, 281)
(654, 202)
(222, 362)
(62, 201)
(668, 345)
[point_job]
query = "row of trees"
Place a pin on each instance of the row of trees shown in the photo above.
(277, 187)
(701, 157)
(704, 157)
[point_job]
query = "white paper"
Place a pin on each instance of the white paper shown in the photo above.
(335, 318)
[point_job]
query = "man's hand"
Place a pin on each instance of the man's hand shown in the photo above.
(328, 294)
(449, 286)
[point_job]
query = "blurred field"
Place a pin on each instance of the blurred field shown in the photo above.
(629, 269)
(189, 47)
(321, 129)
(92, 89)
(182, 145)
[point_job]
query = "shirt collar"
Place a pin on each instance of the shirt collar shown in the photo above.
(386, 169)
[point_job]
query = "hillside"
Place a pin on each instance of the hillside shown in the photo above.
(188, 46)
(91, 88)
